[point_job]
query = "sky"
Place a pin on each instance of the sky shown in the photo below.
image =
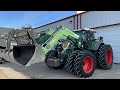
(16, 19)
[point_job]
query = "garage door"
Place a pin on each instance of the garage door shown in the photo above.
(111, 36)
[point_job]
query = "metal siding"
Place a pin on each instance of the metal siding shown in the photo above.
(65, 22)
(111, 36)
(75, 23)
(100, 18)
(79, 22)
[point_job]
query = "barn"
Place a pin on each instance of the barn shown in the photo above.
(106, 24)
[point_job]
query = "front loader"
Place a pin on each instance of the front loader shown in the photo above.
(79, 52)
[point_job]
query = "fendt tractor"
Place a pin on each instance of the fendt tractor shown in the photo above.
(77, 51)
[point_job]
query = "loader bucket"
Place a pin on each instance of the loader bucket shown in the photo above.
(27, 54)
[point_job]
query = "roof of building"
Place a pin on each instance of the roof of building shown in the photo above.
(4, 30)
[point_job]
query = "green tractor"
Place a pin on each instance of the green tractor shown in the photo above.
(78, 51)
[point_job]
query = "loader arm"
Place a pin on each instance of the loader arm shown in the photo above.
(60, 33)
(27, 54)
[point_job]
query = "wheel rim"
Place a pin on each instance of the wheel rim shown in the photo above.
(109, 57)
(88, 64)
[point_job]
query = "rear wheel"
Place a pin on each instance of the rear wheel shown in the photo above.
(105, 57)
(84, 64)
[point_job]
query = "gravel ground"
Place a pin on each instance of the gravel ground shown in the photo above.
(41, 71)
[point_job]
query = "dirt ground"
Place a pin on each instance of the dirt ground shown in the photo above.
(41, 71)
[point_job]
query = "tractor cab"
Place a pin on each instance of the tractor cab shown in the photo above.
(87, 37)
(88, 34)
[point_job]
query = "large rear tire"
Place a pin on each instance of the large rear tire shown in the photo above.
(105, 57)
(84, 64)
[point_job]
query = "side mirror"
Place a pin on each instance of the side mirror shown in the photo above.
(100, 38)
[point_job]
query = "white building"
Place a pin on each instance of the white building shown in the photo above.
(106, 23)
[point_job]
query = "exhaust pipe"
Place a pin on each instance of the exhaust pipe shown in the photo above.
(27, 54)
